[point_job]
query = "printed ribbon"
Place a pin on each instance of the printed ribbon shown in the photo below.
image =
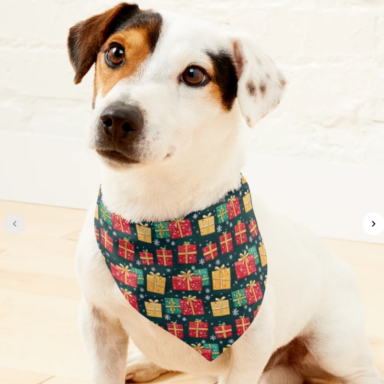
(251, 287)
(155, 282)
(127, 294)
(226, 241)
(104, 236)
(187, 253)
(153, 304)
(253, 227)
(247, 198)
(143, 227)
(162, 230)
(187, 276)
(206, 218)
(190, 299)
(199, 348)
(120, 222)
(243, 323)
(222, 213)
(172, 306)
(221, 302)
(241, 231)
(221, 270)
(178, 225)
(197, 328)
(105, 213)
(244, 258)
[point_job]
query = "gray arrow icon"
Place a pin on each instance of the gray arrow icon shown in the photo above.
(14, 223)
(373, 223)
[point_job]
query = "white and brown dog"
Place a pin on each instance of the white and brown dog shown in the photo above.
(169, 92)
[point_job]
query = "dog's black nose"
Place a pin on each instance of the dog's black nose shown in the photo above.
(120, 120)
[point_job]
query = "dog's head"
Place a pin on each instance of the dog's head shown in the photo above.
(162, 79)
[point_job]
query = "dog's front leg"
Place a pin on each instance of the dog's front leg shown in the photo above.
(251, 353)
(106, 344)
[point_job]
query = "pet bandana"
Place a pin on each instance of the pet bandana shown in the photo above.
(201, 278)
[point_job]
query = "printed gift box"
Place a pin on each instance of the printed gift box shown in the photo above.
(253, 228)
(176, 329)
(106, 241)
(97, 234)
(198, 328)
(220, 307)
(105, 215)
(239, 298)
(144, 233)
(247, 201)
(222, 213)
(221, 278)
(223, 331)
(210, 251)
(242, 325)
(207, 353)
(180, 228)
(162, 230)
(187, 281)
(132, 299)
(126, 250)
(233, 207)
(120, 224)
(97, 212)
(156, 283)
(253, 251)
(164, 257)
(146, 258)
(153, 308)
(124, 275)
(245, 266)
(240, 233)
(226, 243)
(214, 348)
(207, 224)
(190, 306)
(263, 255)
(253, 292)
(204, 276)
(172, 306)
(140, 275)
(187, 253)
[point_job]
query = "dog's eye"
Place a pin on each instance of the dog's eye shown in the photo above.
(194, 75)
(115, 56)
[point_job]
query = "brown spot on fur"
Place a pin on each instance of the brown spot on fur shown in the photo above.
(238, 58)
(137, 48)
(290, 355)
(263, 88)
(251, 87)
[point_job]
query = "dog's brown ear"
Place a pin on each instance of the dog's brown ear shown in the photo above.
(260, 84)
(87, 37)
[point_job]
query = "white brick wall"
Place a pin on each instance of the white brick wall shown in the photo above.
(332, 52)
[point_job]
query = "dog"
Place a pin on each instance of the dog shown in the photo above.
(169, 96)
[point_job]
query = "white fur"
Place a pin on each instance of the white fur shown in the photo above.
(310, 292)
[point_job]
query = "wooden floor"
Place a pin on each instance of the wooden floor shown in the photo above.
(39, 297)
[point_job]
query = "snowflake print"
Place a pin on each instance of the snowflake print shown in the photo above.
(203, 341)
(167, 240)
(153, 269)
(193, 267)
(167, 317)
(230, 224)
(231, 257)
(195, 216)
(250, 238)
(179, 316)
(141, 296)
(168, 270)
(145, 268)
(245, 306)
(197, 232)
(138, 262)
(141, 289)
(231, 341)
(184, 319)
(101, 221)
(172, 243)
(114, 233)
(207, 290)
(249, 309)
(221, 342)
(235, 312)
(201, 261)
(213, 337)
(156, 242)
(218, 262)
(207, 297)
(219, 228)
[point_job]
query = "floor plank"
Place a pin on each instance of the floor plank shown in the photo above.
(17, 376)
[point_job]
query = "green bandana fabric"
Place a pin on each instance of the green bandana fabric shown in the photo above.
(201, 278)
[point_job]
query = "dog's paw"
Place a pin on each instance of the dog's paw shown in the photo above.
(140, 369)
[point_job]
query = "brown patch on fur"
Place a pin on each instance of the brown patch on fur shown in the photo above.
(290, 355)
(251, 87)
(238, 58)
(137, 49)
(263, 88)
